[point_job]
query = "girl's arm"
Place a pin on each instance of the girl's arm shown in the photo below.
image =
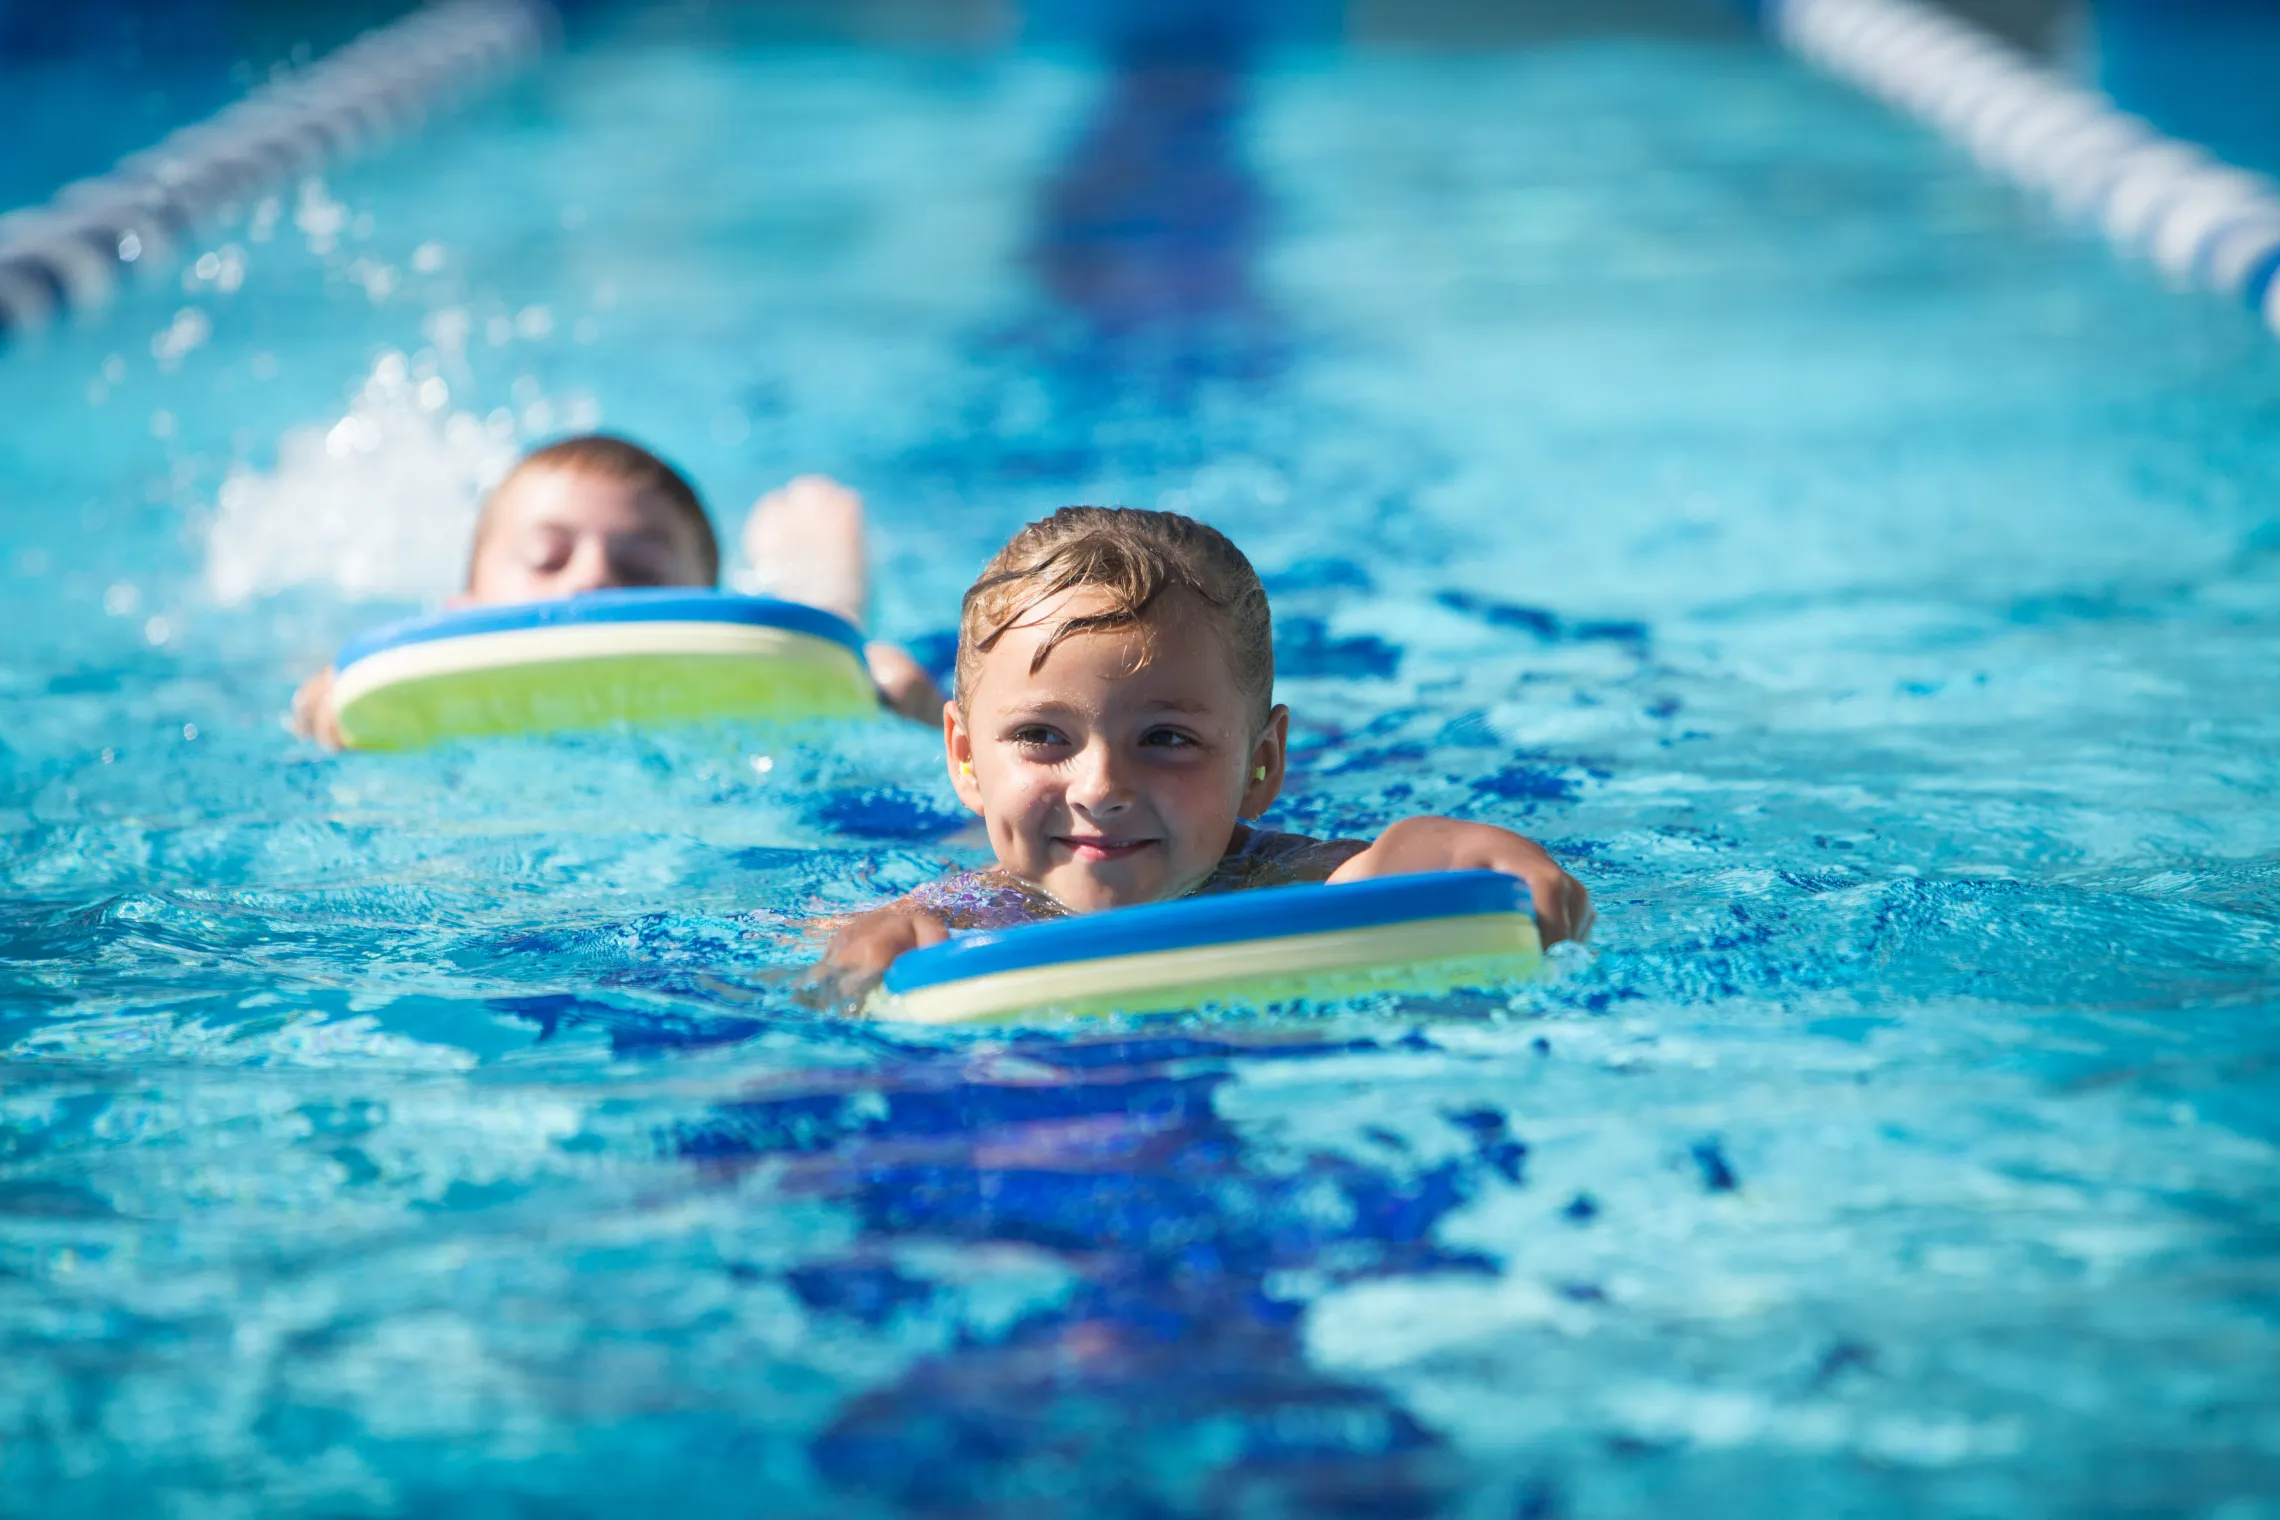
(1563, 907)
(867, 944)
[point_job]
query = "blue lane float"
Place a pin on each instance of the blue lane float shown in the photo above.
(69, 253)
(594, 661)
(2204, 222)
(1425, 933)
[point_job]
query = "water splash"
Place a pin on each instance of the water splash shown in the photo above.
(380, 503)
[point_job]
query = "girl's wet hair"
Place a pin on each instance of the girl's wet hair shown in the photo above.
(1132, 557)
(621, 459)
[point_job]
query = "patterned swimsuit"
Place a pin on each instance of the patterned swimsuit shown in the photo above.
(992, 899)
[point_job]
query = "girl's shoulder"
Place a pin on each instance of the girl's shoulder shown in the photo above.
(1264, 858)
(988, 899)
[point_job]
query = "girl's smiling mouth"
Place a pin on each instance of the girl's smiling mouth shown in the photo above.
(1096, 847)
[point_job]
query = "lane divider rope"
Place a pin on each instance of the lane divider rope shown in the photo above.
(2202, 221)
(70, 253)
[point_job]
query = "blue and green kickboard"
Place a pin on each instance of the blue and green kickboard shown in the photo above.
(1428, 933)
(641, 657)
(608, 657)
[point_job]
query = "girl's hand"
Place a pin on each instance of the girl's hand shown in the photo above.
(1563, 907)
(861, 952)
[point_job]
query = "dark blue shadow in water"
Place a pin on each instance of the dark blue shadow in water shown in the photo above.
(1147, 235)
(1179, 1348)
(1143, 250)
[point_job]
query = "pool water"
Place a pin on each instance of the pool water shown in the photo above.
(1870, 588)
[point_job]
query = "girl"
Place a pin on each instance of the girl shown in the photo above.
(1114, 724)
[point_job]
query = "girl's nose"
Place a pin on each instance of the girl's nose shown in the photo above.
(1096, 781)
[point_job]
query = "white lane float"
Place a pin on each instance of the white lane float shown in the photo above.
(2200, 220)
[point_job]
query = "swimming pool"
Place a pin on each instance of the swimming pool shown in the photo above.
(1871, 589)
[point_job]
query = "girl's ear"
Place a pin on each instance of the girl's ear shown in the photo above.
(958, 755)
(1262, 783)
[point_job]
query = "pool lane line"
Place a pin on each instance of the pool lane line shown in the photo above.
(2202, 221)
(69, 253)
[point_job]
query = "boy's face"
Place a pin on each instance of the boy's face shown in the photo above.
(1105, 781)
(557, 531)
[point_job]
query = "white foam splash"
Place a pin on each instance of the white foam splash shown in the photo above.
(378, 504)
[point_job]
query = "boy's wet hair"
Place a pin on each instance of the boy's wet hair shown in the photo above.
(1133, 557)
(620, 459)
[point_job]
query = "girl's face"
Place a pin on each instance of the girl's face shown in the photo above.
(1102, 779)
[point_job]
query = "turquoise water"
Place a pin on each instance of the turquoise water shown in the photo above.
(1872, 590)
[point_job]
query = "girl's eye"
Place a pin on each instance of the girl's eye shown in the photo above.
(1167, 738)
(1034, 736)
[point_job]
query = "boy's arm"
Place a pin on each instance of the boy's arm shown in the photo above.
(1563, 907)
(805, 542)
(314, 716)
(905, 688)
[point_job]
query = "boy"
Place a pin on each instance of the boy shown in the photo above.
(1114, 724)
(593, 513)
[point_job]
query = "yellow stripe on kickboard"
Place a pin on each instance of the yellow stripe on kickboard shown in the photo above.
(1423, 955)
(551, 680)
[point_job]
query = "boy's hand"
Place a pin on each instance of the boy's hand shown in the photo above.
(804, 542)
(861, 952)
(1563, 907)
(313, 714)
(904, 686)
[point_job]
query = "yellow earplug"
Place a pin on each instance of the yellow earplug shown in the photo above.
(1260, 774)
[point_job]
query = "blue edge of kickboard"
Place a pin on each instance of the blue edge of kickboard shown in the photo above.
(1222, 918)
(603, 607)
